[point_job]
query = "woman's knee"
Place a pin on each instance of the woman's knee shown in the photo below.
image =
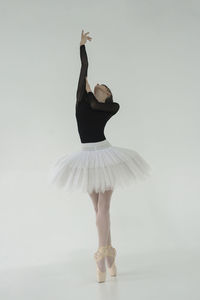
(103, 205)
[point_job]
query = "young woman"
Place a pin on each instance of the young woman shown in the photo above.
(99, 167)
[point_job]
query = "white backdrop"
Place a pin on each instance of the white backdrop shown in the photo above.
(147, 52)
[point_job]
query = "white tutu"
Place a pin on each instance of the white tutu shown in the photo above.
(98, 166)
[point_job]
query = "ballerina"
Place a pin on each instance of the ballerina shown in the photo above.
(99, 167)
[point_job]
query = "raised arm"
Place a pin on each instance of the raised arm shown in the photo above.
(112, 107)
(83, 74)
(84, 68)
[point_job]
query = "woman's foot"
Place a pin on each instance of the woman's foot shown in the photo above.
(110, 258)
(100, 263)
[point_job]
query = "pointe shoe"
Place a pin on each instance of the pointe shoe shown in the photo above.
(112, 252)
(102, 251)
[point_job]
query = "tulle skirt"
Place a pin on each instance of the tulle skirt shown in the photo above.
(98, 166)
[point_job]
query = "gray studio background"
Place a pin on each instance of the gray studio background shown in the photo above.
(147, 52)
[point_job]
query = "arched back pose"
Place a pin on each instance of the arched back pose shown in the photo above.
(99, 167)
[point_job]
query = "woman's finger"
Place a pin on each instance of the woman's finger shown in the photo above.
(84, 35)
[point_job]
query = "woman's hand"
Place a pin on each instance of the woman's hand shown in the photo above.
(84, 38)
(87, 86)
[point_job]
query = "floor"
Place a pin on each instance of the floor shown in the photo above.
(163, 275)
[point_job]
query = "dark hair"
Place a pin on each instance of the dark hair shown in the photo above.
(109, 98)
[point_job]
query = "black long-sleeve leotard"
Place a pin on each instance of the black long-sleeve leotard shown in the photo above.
(91, 115)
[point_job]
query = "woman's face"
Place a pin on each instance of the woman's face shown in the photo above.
(101, 92)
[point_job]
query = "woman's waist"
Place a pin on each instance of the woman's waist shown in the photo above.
(95, 145)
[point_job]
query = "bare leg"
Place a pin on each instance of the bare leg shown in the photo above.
(105, 202)
(103, 217)
(94, 196)
(101, 203)
(103, 222)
